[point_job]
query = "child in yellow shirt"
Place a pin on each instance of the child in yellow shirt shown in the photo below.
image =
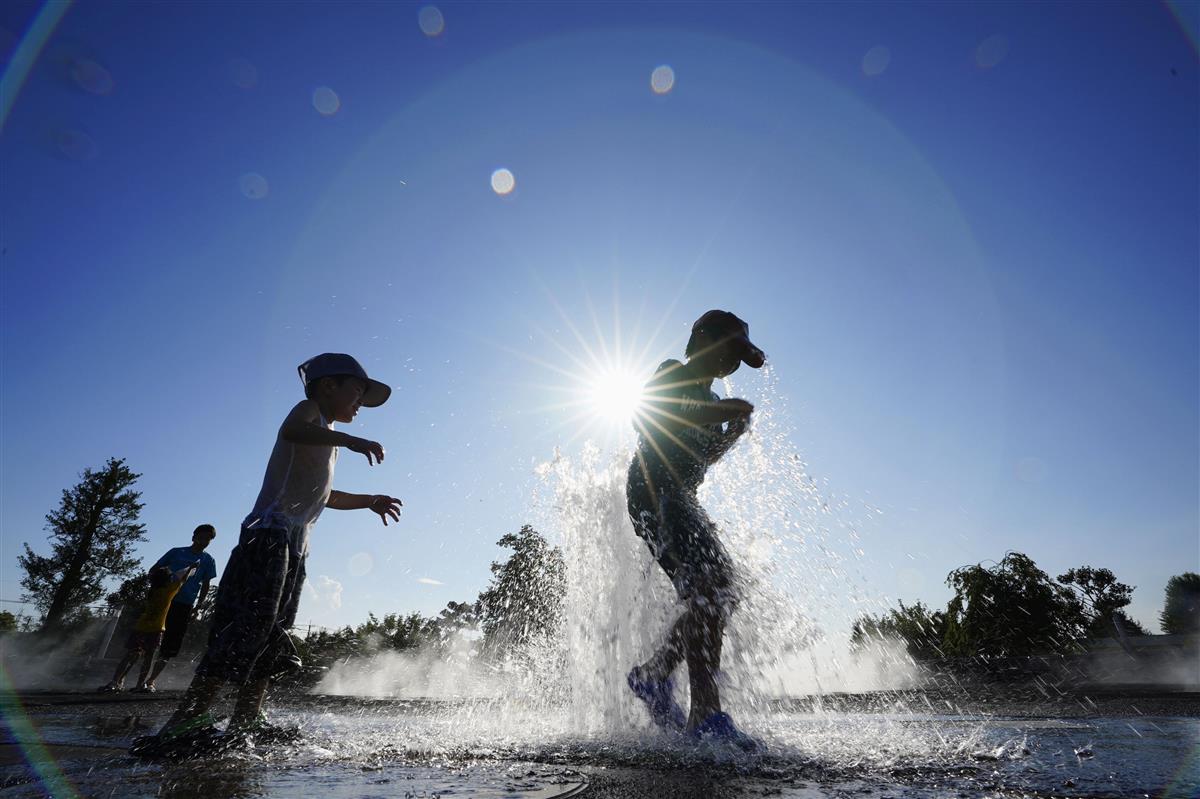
(148, 629)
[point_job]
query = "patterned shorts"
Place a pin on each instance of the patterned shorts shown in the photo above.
(684, 541)
(256, 605)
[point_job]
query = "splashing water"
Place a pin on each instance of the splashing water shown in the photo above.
(558, 710)
(793, 549)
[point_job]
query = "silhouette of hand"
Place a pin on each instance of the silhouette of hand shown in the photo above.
(386, 507)
(372, 449)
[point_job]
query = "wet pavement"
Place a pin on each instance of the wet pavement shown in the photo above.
(872, 745)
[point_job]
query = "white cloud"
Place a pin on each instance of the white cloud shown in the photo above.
(429, 581)
(325, 591)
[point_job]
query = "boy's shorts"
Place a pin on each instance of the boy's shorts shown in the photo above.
(178, 617)
(684, 541)
(256, 605)
(142, 642)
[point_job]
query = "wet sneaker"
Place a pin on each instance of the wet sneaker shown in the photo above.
(261, 731)
(203, 725)
(111, 688)
(143, 689)
(189, 738)
(659, 697)
(720, 727)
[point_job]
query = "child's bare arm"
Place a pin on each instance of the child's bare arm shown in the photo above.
(302, 427)
(677, 413)
(726, 410)
(182, 574)
(387, 507)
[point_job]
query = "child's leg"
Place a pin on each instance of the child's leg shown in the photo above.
(158, 668)
(249, 703)
(123, 667)
(147, 661)
(704, 631)
(250, 698)
(668, 656)
(196, 701)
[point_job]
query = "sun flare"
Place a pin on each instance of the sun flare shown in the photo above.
(615, 395)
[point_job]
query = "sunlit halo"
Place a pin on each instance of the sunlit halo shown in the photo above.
(503, 181)
(615, 395)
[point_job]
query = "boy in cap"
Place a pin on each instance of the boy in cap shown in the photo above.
(260, 592)
(683, 428)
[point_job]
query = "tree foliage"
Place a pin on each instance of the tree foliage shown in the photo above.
(1101, 599)
(92, 533)
(1010, 609)
(917, 626)
(1181, 609)
(8, 622)
(524, 600)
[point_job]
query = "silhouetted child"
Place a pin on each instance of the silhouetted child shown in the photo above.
(260, 590)
(148, 629)
(683, 428)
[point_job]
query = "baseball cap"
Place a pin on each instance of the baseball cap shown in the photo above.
(333, 364)
(725, 325)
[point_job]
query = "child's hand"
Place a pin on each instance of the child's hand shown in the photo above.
(386, 506)
(368, 448)
(743, 408)
(734, 428)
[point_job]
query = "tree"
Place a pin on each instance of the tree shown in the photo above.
(917, 626)
(92, 531)
(8, 622)
(524, 600)
(131, 593)
(1181, 610)
(1102, 599)
(1011, 609)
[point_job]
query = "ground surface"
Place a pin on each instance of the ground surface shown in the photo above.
(954, 741)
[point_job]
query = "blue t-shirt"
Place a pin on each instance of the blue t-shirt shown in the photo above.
(181, 557)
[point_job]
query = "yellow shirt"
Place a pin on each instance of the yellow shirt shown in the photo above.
(154, 615)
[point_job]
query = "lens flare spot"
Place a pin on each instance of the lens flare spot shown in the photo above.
(326, 101)
(243, 73)
(253, 186)
(991, 51)
(876, 61)
(76, 145)
(615, 395)
(361, 564)
(1031, 470)
(503, 181)
(662, 79)
(431, 21)
(91, 77)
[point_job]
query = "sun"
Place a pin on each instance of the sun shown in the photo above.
(615, 394)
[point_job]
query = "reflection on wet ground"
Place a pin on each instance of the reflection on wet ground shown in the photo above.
(74, 746)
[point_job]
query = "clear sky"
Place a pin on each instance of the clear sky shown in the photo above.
(965, 234)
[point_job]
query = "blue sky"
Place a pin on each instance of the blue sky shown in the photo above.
(966, 235)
